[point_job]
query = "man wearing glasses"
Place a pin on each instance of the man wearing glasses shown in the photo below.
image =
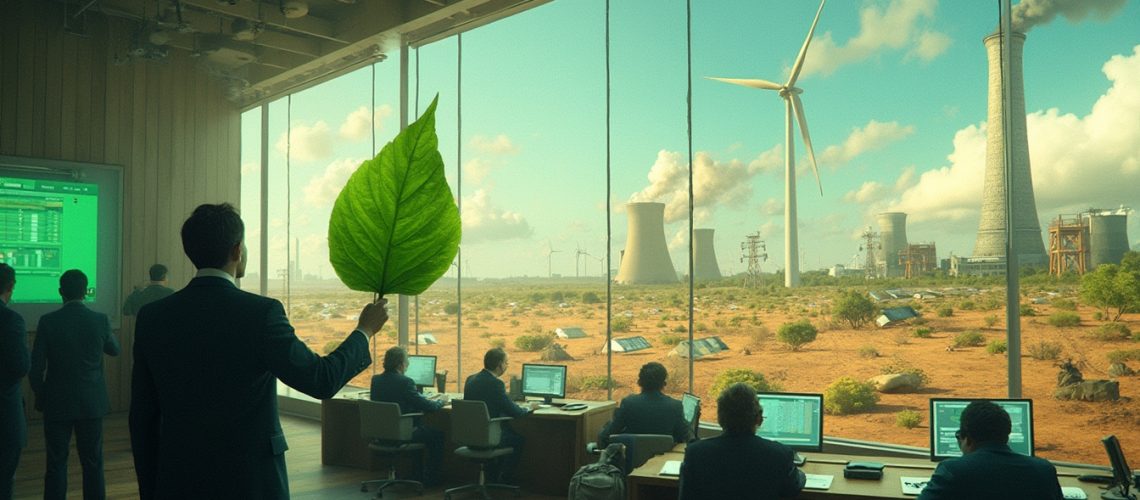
(988, 468)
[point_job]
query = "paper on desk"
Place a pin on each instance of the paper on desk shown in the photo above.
(913, 485)
(818, 481)
(671, 468)
(1073, 493)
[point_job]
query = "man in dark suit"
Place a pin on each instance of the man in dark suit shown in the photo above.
(70, 344)
(988, 468)
(392, 386)
(203, 416)
(738, 463)
(485, 386)
(14, 364)
(154, 290)
(651, 412)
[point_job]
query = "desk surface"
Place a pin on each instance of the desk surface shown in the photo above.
(646, 483)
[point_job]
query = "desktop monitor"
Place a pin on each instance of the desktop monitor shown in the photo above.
(691, 407)
(421, 369)
(1121, 474)
(945, 416)
(545, 381)
(794, 419)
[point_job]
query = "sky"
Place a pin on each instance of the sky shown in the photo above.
(894, 93)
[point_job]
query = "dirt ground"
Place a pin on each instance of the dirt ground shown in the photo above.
(499, 314)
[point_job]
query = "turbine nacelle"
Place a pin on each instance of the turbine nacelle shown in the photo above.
(788, 92)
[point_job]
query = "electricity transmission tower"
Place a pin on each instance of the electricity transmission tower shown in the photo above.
(752, 251)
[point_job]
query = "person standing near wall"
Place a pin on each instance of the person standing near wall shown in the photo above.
(14, 364)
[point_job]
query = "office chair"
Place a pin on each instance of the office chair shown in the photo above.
(389, 434)
(479, 436)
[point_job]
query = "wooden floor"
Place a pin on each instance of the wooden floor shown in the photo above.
(308, 479)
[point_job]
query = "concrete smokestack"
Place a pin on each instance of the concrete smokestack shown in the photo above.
(705, 267)
(1108, 237)
(892, 234)
(646, 259)
(992, 228)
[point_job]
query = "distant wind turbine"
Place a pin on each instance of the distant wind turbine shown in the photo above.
(793, 107)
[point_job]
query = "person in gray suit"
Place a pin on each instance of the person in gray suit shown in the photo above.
(988, 468)
(14, 363)
(651, 412)
(154, 290)
(70, 344)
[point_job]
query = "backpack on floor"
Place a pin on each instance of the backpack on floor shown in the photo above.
(601, 480)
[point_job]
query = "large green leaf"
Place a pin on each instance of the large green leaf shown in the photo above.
(395, 227)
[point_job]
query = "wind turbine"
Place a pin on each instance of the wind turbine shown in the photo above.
(550, 251)
(793, 107)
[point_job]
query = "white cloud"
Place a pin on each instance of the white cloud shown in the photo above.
(715, 183)
(1077, 161)
(498, 145)
(322, 189)
(483, 221)
(906, 179)
(900, 25)
(873, 136)
(772, 207)
(307, 142)
(356, 124)
(477, 169)
(869, 191)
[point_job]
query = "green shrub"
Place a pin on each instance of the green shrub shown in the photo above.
(1064, 304)
(514, 322)
(990, 304)
(990, 320)
(756, 380)
(1113, 331)
(680, 329)
(898, 365)
(854, 308)
(908, 419)
(996, 347)
(1064, 318)
(921, 333)
(868, 351)
(331, 346)
(533, 343)
(701, 327)
(672, 340)
(1098, 315)
(797, 334)
(1044, 350)
(969, 338)
(593, 382)
(847, 395)
(621, 324)
(758, 336)
(451, 308)
(967, 305)
(499, 342)
(590, 298)
(945, 311)
(1123, 355)
(1027, 310)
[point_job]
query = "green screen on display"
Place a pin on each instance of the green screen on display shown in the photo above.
(946, 415)
(46, 228)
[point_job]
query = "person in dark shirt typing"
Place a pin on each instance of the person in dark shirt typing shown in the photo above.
(392, 386)
(485, 386)
(651, 412)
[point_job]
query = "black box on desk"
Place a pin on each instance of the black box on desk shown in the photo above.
(863, 470)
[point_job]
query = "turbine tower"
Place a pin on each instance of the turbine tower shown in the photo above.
(792, 107)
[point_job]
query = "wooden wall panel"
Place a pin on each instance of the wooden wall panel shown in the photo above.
(167, 123)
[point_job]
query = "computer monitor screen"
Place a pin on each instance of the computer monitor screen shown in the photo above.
(1121, 473)
(945, 418)
(547, 381)
(691, 407)
(793, 419)
(421, 369)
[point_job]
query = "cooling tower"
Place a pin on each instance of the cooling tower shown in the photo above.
(705, 267)
(1108, 237)
(892, 234)
(646, 259)
(992, 228)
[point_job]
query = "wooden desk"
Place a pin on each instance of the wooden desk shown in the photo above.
(555, 442)
(644, 483)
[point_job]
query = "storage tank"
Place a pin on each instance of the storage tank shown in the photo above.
(646, 259)
(892, 234)
(1108, 236)
(705, 267)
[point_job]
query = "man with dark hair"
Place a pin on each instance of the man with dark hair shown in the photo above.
(153, 291)
(485, 386)
(14, 364)
(651, 412)
(738, 463)
(988, 468)
(393, 386)
(70, 344)
(203, 416)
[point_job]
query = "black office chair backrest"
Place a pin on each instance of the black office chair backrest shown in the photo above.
(382, 421)
(471, 425)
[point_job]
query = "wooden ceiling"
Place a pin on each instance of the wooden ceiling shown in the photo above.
(266, 50)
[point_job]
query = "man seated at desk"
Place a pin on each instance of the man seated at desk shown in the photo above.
(988, 468)
(485, 386)
(392, 386)
(738, 463)
(651, 412)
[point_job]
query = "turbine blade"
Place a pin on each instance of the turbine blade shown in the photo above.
(798, 107)
(803, 50)
(756, 84)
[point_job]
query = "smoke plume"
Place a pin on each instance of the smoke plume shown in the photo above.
(1030, 13)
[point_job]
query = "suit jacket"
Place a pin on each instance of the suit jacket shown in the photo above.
(647, 413)
(70, 344)
(739, 466)
(993, 471)
(203, 417)
(139, 298)
(395, 387)
(14, 364)
(486, 387)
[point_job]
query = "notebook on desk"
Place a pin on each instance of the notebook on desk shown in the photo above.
(671, 468)
(818, 481)
(913, 485)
